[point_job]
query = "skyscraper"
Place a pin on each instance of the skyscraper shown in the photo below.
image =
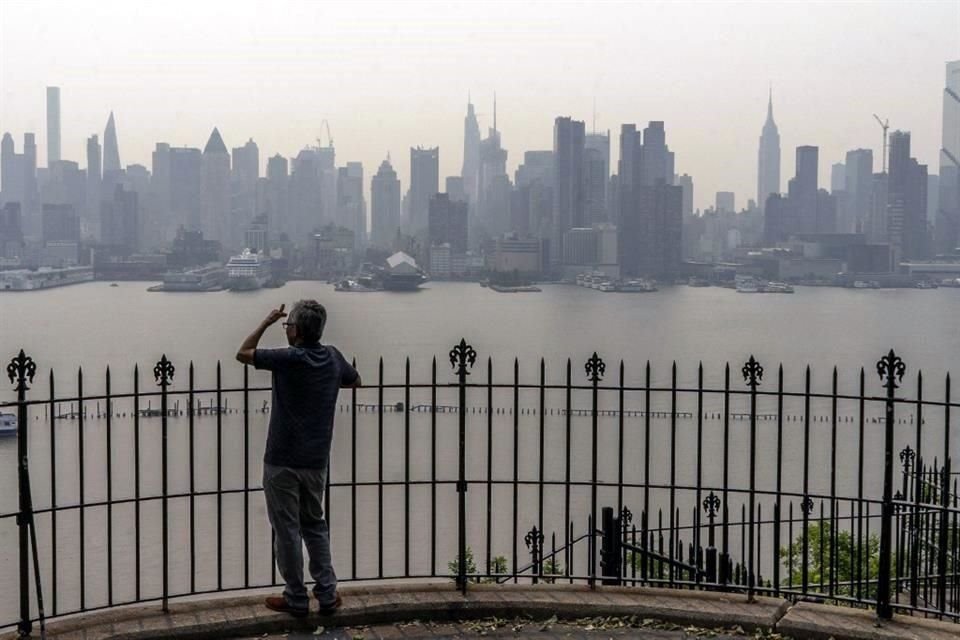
(216, 223)
(424, 184)
(657, 159)
(53, 125)
(726, 201)
(275, 194)
(803, 189)
(351, 205)
(448, 223)
(385, 205)
(768, 158)
(858, 185)
(596, 164)
(471, 154)
(94, 176)
(111, 150)
(906, 202)
(244, 173)
(568, 173)
(948, 218)
(493, 184)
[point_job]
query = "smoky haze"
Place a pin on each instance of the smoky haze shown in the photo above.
(388, 76)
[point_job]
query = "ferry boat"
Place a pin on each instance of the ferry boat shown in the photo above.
(747, 284)
(636, 286)
(777, 287)
(8, 425)
(248, 271)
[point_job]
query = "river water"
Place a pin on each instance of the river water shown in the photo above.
(95, 325)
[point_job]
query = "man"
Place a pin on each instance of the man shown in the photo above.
(307, 376)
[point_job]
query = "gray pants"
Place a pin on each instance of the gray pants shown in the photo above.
(295, 508)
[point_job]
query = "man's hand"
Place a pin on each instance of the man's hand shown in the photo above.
(274, 315)
(246, 350)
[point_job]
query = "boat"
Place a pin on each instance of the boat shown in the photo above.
(248, 271)
(698, 282)
(361, 285)
(402, 273)
(209, 277)
(607, 286)
(636, 286)
(865, 284)
(926, 284)
(8, 425)
(777, 287)
(114, 284)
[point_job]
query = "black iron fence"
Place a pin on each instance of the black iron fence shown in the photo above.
(145, 495)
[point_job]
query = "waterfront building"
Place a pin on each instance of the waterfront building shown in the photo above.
(120, 221)
(60, 223)
(650, 232)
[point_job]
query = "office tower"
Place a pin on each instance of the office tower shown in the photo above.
(186, 186)
(768, 158)
(650, 232)
(470, 171)
(256, 235)
(385, 205)
(111, 150)
(656, 159)
(245, 168)
(906, 202)
(94, 176)
(858, 185)
(726, 201)
(11, 171)
(948, 217)
(306, 199)
(448, 223)
(11, 231)
(351, 206)
(493, 201)
(60, 223)
(216, 223)
(53, 125)
(803, 189)
(275, 194)
(455, 189)
(120, 220)
(686, 183)
(531, 206)
(424, 184)
(596, 163)
(568, 173)
(838, 176)
(65, 183)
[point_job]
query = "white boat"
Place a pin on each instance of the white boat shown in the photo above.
(636, 286)
(777, 287)
(8, 425)
(864, 284)
(748, 285)
(354, 286)
(607, 286)
(248, 271)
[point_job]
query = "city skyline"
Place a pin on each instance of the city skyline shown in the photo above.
(807, 112)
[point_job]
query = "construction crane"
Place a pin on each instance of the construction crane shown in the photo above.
(884, 124)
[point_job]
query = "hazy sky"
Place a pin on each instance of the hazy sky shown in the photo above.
(391, 75)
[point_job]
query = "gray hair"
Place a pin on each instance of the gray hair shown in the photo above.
(309, 316)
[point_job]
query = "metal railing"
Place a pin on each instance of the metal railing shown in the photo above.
(816, 518)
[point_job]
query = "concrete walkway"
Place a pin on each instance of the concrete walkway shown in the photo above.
(245, 616)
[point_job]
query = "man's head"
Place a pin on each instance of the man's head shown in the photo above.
(305, 323)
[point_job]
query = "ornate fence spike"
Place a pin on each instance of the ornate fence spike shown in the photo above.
(752, 372)
(907, 455)
(807, 505)
(163, 371)
(891, 368)
(626, 516)
(533, 537)
(21, 370)
(595, 368)
(711, 504)
(463, 357)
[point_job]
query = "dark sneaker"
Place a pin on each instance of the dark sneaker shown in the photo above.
(328, 609)
(279, 603)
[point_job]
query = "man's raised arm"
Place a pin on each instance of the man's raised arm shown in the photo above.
(245, 352)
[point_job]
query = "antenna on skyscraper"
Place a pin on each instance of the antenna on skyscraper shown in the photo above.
(885, 124)
(326, 125)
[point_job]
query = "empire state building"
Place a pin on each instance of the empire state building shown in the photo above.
(768, 164)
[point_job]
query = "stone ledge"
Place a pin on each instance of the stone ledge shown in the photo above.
(237, 616)
(812, 621)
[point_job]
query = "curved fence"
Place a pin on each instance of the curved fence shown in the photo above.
(843, 492)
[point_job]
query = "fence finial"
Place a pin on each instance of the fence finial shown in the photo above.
(752, 372)
(463, 357)
(21, 370)
(595, 368)
(891, 368)
(163, 371)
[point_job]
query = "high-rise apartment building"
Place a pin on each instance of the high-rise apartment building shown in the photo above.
(768, 158)
(53, 125)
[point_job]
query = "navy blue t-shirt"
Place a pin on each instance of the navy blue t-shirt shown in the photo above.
(306, 381)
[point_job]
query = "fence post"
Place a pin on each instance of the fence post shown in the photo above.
(711, 504)
(163, 374)
(595, 368)
(752, 374)
(21, 370)
(890, 368)
(534, 542)
(462, 358)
